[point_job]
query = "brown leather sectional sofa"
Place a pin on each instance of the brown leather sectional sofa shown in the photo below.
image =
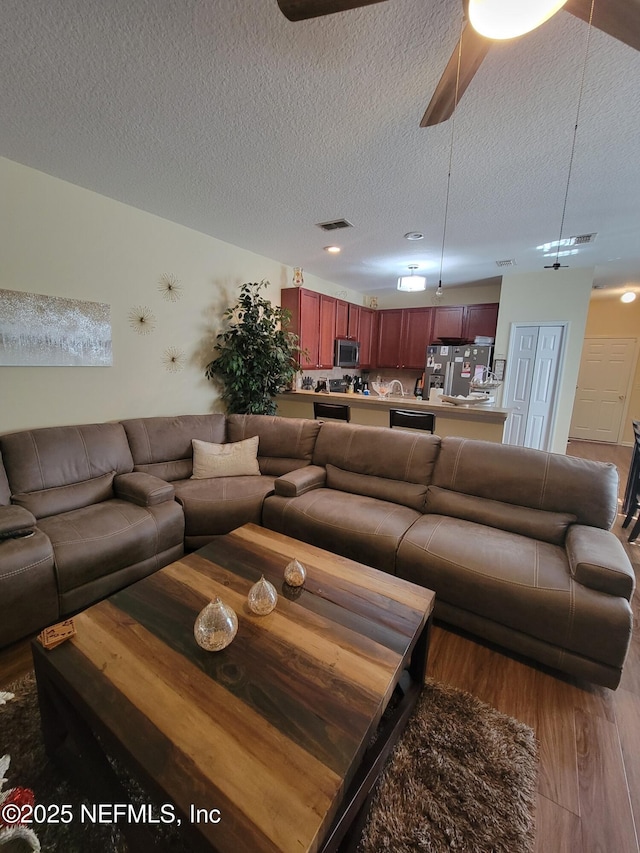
(515, 542)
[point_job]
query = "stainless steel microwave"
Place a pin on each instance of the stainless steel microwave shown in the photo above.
(347, 353)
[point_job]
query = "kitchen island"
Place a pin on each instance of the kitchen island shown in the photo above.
(476, 421)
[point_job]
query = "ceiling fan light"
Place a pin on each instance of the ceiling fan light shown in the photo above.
(504, 19)
(412, 282)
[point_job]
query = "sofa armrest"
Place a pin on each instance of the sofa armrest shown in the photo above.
(14, 519)
(300, 481)
(142, 489)
(598, 560)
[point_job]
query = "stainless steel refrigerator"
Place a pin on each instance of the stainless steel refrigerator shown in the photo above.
(452, 368)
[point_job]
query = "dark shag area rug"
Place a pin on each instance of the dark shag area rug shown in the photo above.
(462, 778)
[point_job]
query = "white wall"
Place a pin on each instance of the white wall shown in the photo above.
(58, 239)
(549, 296)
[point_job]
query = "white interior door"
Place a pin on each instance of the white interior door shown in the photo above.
(519, 381)
(543, 387)
(533, 368)
(603, 382)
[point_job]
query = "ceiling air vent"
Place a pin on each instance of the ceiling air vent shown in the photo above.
(508, 262)
(581, 239)
(334, 224)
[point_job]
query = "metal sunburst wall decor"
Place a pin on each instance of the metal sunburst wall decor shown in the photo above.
(173, 359)
(142, 320)
(170, 287)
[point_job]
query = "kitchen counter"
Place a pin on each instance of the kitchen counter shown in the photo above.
(471, 421)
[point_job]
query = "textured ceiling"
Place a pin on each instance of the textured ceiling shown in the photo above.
(229, 119)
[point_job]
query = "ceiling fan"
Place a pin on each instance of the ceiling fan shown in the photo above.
(617, 18)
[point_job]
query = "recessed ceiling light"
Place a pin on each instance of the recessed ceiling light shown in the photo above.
(333, 250)
(414, 235)
(628, 296)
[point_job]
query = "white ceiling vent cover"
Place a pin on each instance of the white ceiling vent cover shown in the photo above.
(508, 262)
(334, 224)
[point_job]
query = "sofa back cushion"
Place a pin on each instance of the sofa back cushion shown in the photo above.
(162, 445)
(58, 469)
(535, 523)
(5, 491)
(394, 465)
(530, 478)
(285, 444)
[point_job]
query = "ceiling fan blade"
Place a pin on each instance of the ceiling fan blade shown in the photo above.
(617, 18)
(474, 49)
(300, 10)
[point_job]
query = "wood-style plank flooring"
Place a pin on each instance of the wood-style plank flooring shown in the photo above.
(589, 737)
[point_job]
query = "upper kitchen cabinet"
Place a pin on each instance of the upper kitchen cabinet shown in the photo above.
(448, 322)
(403, 337)
(327, 331)
(304, 306)
(481, 320)
(465, 321)
(347, 320)
(366, 336)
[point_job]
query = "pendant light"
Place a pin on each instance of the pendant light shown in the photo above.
(412, 282)
(506, 19)
(557, 265)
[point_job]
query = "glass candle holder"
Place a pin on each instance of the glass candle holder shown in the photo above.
(295, 573)
(262, 597)
(216, 625)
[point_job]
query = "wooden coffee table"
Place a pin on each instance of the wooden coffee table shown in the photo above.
(266, 745)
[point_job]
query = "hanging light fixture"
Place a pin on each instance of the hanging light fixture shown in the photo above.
(557, 265)
(412, 282)
(504, 19)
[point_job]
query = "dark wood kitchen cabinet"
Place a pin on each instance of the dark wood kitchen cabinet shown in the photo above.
(366, 336)
(481, 320)
(403, 337)
(313, 319)
(304, 306)
(389, 336)
(347, 320)
(448, 322)
(327, 331)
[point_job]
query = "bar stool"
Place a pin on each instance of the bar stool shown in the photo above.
(632, 491)
(412, 420)
(337, 411)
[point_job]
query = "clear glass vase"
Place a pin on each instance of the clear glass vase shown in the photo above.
(215, 626)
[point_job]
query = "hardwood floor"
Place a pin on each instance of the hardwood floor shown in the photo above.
(589, 737)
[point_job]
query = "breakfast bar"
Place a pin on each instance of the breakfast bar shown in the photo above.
(469, 421)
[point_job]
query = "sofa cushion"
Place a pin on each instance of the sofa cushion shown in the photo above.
(162, 445)
(61, 456)
(100, 539)
(407, 494)
(516, 581)
(215, 506)
(233, 459)
(378, 452)
(359, 527)
(536, 523)
(285, 443)
(532, 478)
(66, 498)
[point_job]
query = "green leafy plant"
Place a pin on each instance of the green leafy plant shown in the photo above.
(256, 354)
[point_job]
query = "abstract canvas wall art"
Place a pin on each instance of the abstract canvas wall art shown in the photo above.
(38, 330)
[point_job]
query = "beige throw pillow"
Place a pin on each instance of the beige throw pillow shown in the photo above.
(235, 459)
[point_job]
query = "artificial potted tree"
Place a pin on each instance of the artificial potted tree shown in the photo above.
(257, 356)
